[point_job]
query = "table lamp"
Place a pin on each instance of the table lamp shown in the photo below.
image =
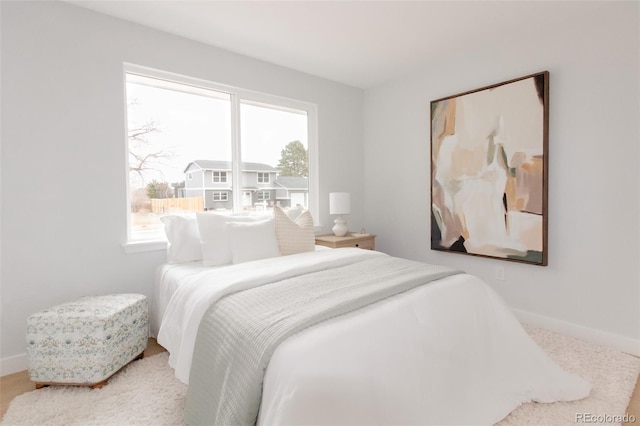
(339, 204)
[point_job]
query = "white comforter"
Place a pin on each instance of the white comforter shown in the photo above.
(198, 291)
(449, 352)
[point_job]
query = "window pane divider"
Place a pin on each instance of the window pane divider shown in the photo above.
(236, 155)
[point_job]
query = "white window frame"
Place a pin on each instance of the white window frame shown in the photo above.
(238, 96)
(264, 177)
(264, 195)
(220, 196)
(222, 176)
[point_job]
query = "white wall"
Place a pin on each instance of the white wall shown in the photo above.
(62, 176)
(63, 151)
(591, 286)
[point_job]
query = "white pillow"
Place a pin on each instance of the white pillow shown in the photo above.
(183, 238)
(214, 238)
(253, 240)
(294, 236)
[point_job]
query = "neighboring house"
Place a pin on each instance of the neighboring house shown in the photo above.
(261, 186)
(293, 191)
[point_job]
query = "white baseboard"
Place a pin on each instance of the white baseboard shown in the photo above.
(615, 341)
(13, 364)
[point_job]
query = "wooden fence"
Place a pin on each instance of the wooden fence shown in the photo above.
(166, 205)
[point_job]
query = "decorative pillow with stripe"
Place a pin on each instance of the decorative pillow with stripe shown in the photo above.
(294, 236)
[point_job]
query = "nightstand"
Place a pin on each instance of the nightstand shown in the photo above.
(367, 242)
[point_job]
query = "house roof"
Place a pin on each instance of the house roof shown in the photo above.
(226, 165)
(293, 182)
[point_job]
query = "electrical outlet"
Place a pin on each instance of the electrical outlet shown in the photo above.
(500, 273)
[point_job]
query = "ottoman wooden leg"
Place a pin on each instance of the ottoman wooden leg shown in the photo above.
(99, 385)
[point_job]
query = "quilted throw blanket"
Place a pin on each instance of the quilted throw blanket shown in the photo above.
(239, 333)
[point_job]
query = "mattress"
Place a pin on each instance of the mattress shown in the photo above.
(168, 279)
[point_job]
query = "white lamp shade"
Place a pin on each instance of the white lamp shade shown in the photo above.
(339, 203)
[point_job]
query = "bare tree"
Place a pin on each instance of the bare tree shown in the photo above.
(143, 158)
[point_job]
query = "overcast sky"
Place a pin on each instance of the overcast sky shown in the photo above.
(194, 127)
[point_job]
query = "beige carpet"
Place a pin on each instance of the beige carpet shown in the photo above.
(146, 393)
(612, 376)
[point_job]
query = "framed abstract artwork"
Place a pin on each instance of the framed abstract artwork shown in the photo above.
(489, 171)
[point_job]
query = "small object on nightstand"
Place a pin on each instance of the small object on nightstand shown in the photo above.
(339, 204)
(363, 233)
(367, 241)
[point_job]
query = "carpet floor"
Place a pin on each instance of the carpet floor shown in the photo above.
(147, 393)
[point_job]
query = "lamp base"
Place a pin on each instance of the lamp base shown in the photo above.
(340, 227)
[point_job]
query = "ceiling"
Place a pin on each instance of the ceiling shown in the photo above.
(358, 43)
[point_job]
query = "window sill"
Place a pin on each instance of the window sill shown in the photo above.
(144, 246)
(157, 245)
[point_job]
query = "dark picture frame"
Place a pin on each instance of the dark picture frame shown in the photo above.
(489, 171)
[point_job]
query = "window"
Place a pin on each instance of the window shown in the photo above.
(220, 196)
(219, 177)
(181, 129)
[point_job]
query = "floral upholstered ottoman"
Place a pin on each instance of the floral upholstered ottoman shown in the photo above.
(85, 342)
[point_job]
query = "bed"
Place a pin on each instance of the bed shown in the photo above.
(415, 356)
